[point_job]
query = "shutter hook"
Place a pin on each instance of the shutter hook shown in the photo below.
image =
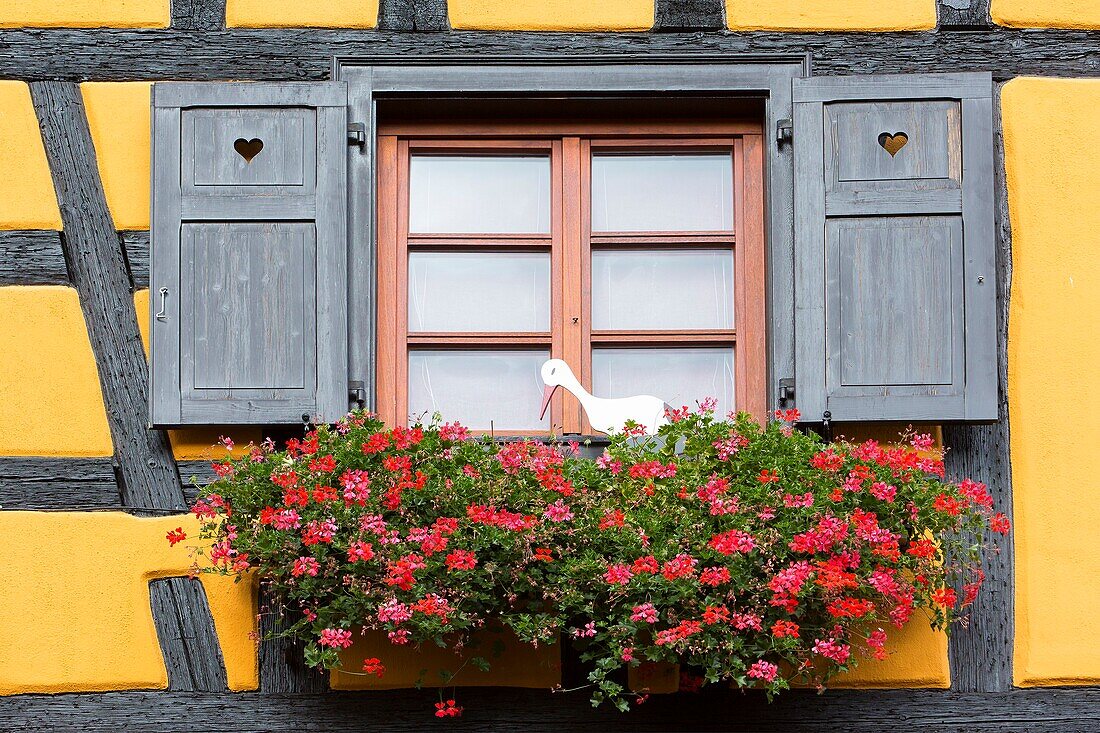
(161, 315)
(826, 426)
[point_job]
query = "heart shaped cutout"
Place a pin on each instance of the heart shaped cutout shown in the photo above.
(893, 143)
(248, 149)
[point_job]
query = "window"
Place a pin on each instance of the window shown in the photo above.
(633, 252)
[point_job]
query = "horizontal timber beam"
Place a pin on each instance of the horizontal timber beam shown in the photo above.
(304, 54)
(1057, 710)
(32, 257)
(80, 484)
(58, 483)
(136, 246)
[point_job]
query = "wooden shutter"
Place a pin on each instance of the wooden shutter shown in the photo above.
(248, 278)
(895, 283)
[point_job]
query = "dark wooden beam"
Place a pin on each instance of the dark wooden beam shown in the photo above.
(689, 15)
(413, 15)
(282, 667)
(306, 53)
(32, 257)
(981, 652)
(198, 15)
(80, 484)
(58, 483)
(192, 653)
(1056, 710)
(136, 247)
(194, 475)
(954, 15)
(97, 267)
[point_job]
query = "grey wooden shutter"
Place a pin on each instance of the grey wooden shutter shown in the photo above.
(248, 278)
(895, 287)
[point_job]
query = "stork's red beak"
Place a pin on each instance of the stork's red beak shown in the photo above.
(547, 392)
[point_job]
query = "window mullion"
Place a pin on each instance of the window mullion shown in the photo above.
(574, 322)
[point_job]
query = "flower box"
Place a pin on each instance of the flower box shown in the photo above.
(759, 555)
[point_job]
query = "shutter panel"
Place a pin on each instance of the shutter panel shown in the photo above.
(248, 274)
(895, 281)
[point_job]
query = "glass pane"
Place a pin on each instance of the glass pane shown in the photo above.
(680, 376)
(662, 193)
(481, 389)
(462, 291)
(463, 194)
(662, 289)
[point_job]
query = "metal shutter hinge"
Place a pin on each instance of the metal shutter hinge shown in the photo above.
(357, 392)
(786, 390)
(784, 131)
(357, 134)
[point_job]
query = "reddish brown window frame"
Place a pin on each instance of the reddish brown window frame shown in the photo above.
(570, 243)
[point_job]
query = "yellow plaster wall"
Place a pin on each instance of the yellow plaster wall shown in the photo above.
(827, 15)
(85, 13)
(1046, 13)
(552, 15)
(1053, 378)
(296, 13)
(195, 443)
(50, 398)
(119, 118)
(27, 200)
(75, 614)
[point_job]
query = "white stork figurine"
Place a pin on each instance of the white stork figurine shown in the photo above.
(605, 415)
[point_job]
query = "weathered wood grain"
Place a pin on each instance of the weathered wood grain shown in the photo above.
(146, 467)
(962, 15)
(80, 484)
(32, 257)
(521, 711)
(136, 246)
(981, 653)
(194, 475)
(413, 15)
(187, 638)
(58, 483)
(306, 53)
(282, 668)
(198, 15)
(689, 15)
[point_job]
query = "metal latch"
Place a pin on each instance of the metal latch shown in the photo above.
(786, 390)
(357, 392)
(357, 134)
(784, 130)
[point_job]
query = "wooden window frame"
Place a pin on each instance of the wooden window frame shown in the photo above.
(375, 80)
(570, 243)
